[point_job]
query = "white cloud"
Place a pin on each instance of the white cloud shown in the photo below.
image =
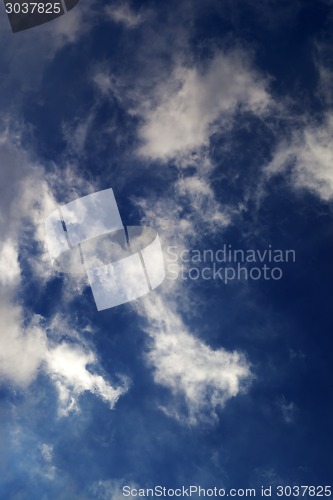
(25, 349)
(123, 14)
(47, 468)
(68, 28)
(309, 157)
(198, 192)
(67, 366)
(46, 452)
(202, 378)
(182, 107)
(10, 271)
(178, 118)
(21, 349)
(191, 206)
(186, 110)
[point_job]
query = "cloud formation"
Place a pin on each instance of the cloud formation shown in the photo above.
(122, 13)
(309, 158)
(67, 366)
(196, 101)
(25, 347)
(202, 378)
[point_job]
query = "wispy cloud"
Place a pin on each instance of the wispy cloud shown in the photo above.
(288, 409)
(309, 157)
(30, 344)
(177, 120)
(182, 110)
(22, 350)
(47, 469)
(67, 366)
(197, 101)
(199, 377)
(122, 13)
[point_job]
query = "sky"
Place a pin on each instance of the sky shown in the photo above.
(212, 122)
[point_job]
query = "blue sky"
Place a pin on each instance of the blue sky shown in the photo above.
(212, 122)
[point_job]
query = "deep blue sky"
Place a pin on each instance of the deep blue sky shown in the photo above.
(91, 101)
